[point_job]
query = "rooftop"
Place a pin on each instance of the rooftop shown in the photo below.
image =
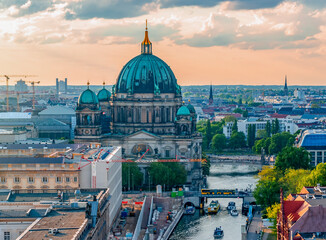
(57, 110)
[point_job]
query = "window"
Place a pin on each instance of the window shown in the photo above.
(16, 180)
(75, 179)
(2, 179)
(67, 179)
(59, 179)
(44, 179)
(167, 153)
(6, 236)
(30, 179)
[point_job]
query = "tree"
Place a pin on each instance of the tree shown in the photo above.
(229, 118)
(251, 135)
(167, 173)
(294, 180)
(292, 157)
(318, 175)
(262, 143)
(132, 177)
(238, 110)
(275, 126)
(240, 100)
(267, 192)
(245, 114)
(261, 134)
(219, 142)
(208, 134)
(237, 140)
(268, 128)
(272, 213)
(279, 141)
(205, 164)
(235, 126)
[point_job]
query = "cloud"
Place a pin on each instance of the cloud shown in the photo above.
(25, 7)
(289, 25)
(235, 4)
(114, 9)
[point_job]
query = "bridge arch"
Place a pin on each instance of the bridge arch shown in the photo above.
(187, 204)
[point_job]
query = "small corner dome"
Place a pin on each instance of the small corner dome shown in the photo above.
(191, 108)
(104, 95)
(183, 111)
(88, 97)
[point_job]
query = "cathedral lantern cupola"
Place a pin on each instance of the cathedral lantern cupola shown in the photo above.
(88, 113)
(146, 45)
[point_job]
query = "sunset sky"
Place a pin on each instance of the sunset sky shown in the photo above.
(254, 42)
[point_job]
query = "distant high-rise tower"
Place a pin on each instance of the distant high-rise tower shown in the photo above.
(61, 86)
(211, 100)
(286, 90)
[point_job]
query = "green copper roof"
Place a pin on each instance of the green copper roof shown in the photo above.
(146, 73)
(104, 95)
(183, 111)
(88, 97)
(191, 108)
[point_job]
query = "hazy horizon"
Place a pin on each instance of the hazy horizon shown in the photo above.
(241, 42)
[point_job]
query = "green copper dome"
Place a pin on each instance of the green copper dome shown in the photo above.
(146, 73)
(88, 97)
(104, 95)
(183, 111)
(191, 108)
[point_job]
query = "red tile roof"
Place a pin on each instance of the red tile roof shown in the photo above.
(291, 208)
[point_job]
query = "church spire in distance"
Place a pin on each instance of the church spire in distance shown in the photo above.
(211, 100)
(286, 90)
(146, 45)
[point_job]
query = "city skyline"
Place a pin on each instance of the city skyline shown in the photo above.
(213, 42)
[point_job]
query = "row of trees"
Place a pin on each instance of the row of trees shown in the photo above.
(215, 140)
(168, 174)
(274, 144)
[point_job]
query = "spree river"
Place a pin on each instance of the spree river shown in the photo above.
(201, 226)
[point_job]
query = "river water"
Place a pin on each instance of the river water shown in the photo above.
(201, 226)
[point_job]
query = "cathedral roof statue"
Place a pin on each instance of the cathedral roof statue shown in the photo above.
(103, 95)
(183, 111)
(146, 73)
(88, 97)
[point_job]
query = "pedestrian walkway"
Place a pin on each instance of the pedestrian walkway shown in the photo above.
(255, 227)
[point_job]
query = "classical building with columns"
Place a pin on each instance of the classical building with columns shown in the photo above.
(144, 113)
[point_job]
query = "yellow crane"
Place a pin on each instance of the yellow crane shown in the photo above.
(7, 84)
(33, 85)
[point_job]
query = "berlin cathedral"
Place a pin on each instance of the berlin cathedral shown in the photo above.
(144, 113)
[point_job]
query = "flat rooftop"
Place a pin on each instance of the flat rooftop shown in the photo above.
(67, 222)
(52, 195)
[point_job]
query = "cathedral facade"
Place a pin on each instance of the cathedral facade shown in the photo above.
(144, 114)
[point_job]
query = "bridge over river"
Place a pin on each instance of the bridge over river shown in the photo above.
(196, 198)
(241, 159)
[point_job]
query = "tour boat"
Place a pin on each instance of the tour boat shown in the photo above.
(234, 212)
(218, 233)
(190, 210)
(213, 207)
(231, 206)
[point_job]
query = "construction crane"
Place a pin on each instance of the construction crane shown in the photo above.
(18, 94)
(33, 85)
(7, 84)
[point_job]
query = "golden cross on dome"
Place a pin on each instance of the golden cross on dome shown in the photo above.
(103, 84)
(88, 83)
(146, 24)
